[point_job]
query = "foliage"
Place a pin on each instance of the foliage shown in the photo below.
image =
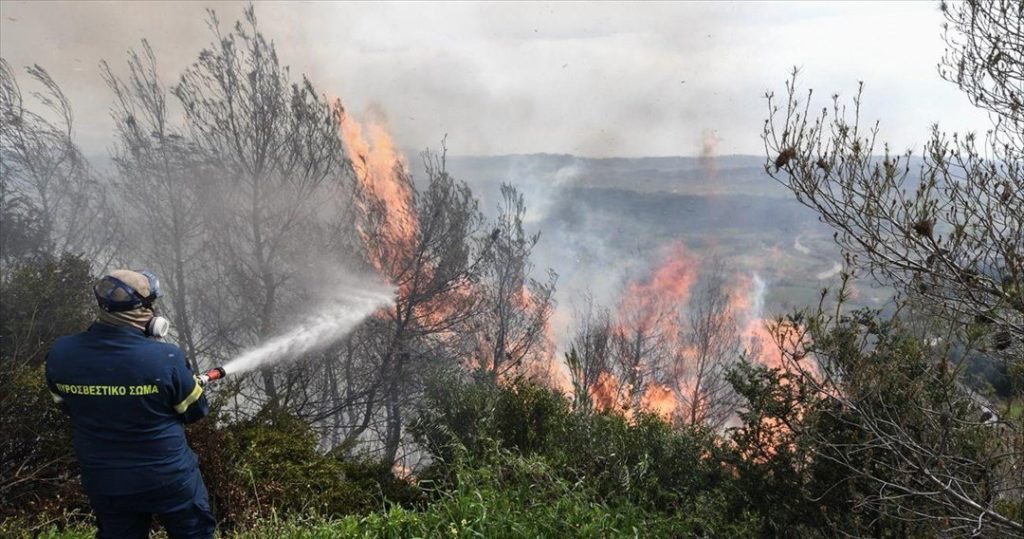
(524, 498)
(271, 465)
(882, 426)
(516, 496)
(38, 471)
(41, 301)
(948, 238)
(465, 418)
(643, 462)
(508, 336)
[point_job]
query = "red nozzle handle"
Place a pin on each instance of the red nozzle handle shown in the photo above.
(215, 373)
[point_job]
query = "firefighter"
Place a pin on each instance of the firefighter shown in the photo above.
(129, 396)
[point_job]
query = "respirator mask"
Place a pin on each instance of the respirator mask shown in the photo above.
(114, 295)
(158, 326)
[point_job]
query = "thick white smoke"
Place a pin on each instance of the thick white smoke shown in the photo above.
(327, 325)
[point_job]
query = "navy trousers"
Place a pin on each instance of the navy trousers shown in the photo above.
(183, 509)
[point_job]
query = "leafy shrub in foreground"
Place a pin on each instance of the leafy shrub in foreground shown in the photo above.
(41, 298)
(271, 465)
(642, 464)
(508, 495)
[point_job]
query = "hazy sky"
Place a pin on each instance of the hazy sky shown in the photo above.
(589, 79)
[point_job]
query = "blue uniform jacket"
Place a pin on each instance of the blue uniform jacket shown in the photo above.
(129, 398)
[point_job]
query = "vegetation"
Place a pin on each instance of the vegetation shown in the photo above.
(949, 239)
(437, 416)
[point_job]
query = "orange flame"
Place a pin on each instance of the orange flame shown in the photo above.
(649, 310)
(539, 364)
(543, 366)
(646, 303)
(381, 173)
(606, 394)
(775, 344)
(660, 400)
(652, 306)
(404, 473)
(769, 342)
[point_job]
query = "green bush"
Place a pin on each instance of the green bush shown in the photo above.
(41, 300)
(643, 465)
(807, 462)
(461, 416)
(38, 473)
(504, 495)
(516, 496)
(271, 465)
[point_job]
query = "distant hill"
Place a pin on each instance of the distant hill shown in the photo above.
(604, 222)
(693, 175)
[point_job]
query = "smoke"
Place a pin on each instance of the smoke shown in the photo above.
(800, 247)
(757, 294)
(537, 70)
(829, 273)
(709, 140)
(325, 326)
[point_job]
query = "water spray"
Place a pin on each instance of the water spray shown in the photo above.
(331, 322)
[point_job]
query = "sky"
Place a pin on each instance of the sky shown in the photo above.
(590, 79)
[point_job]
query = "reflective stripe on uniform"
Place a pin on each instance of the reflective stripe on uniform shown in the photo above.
(192, 397)
(56, 398)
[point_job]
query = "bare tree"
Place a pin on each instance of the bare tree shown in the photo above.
(278, 157)
(643, 340)
(433, 266)
(985, 40)
(20, 233)
(515, 307)
(161, 182)
(952, 234)
(591, 350)
(437, 278)
(710, 347)
(45, 176)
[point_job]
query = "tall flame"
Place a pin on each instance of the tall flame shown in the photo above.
(768, 341)
(648, 306)
(542, 364)
(386, 200)
(648, 313)
(654, 301)
(660, 400)
(385, 186)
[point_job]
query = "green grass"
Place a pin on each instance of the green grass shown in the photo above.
(465, 518)
(521, 498)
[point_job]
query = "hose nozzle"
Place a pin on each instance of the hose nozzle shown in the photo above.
(211, 375)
